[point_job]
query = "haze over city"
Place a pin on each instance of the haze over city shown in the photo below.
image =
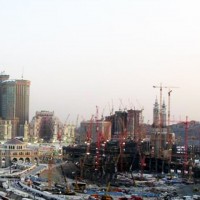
(79, 54)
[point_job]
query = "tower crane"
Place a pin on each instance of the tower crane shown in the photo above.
(89, 136)
(98, 140)
(67, 119)
(161, 87)
(122, 138)
(168, 124)
(88, 143)
(77, 118)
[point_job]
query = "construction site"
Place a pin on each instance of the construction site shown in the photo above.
(130, 146)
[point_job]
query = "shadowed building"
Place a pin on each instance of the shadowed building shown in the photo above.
(45, 127)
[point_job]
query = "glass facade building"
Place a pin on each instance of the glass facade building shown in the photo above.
(14, 103)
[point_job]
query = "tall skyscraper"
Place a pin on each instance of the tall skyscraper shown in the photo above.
(22, 100)
(3, 77)
(14, 103)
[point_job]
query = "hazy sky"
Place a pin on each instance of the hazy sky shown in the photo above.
(82, 53)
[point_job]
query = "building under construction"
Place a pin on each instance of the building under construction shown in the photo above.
(129, 149)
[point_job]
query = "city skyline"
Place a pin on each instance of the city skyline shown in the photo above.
(83, 54)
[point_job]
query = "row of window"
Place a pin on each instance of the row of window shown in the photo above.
(19, 153)
(14, 147)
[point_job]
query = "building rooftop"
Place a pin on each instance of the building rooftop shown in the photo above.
(14, 141)
(9, 81)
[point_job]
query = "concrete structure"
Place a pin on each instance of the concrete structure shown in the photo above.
(134, 122)
(118, 122)
(90, 127)
(14, 103)
(45, 127)
(15, 150)
(128, 122)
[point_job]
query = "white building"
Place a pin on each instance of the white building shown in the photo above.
(15, 150)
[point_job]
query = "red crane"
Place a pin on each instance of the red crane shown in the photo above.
(122, 138)
(87, 142)
(98, 143)
(89, 136)
(141, 154)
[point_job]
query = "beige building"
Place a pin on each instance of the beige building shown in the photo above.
(69, 134)
(15, 150)
(5, 130)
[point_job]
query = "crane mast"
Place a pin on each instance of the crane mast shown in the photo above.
(98, 143)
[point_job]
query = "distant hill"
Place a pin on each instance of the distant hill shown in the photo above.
(193, 132)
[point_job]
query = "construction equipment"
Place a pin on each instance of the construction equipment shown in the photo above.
(98, 143)
(67, 119)
(68, 191)
(122, 139)
(50, 163)
(168, 124)
(88, 143)
(89, 136)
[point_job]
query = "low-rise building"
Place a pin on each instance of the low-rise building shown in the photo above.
(15, 150)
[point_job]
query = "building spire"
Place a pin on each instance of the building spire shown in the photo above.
(22, 73)
(164, 122)
(156, 114)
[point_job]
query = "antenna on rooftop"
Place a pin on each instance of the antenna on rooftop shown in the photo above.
(22, 73)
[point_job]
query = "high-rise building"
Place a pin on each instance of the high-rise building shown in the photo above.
(14, 103)
(22, 100)
(3, 77)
